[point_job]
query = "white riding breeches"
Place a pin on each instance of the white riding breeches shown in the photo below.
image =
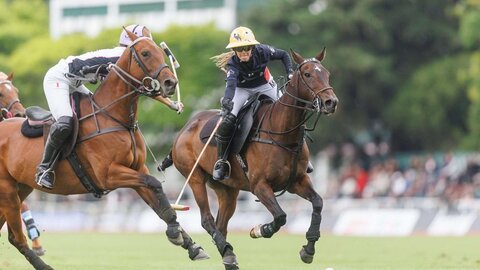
(57, 90)
(242, 94)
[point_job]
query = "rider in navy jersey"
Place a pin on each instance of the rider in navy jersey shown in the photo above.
(68, 76)
(246, 74)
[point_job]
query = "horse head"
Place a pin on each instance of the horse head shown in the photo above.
(10, 105)
(151, 73)
(312, 83)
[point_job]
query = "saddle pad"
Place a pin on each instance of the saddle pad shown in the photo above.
(31, 131)
(208, 128)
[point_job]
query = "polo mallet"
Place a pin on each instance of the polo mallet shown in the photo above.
(180, 207)
(174, 63)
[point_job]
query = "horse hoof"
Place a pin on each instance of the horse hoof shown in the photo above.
(230, 262)
(174, 235)
(305, 256)
(196, 253)
(231, 267)
(256, 232)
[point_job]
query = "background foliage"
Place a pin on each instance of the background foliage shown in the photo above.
(407, 68)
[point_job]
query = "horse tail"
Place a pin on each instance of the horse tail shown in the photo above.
(167, 162)
(222, 59)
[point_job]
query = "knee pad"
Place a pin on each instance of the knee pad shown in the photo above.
(61, 129)
(227, 126)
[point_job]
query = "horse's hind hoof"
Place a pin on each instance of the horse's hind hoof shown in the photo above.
(256, 232)
(196, 253)
(305, 256)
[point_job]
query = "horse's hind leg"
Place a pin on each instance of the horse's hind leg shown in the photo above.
(266, 196)
(305, 190)
(10, 204)
(154, 196)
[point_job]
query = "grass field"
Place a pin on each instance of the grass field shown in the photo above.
(95, 251)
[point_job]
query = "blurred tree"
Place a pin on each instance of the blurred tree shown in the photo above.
(20, 21)
(469, 14)
(430, 109)
(373, 47)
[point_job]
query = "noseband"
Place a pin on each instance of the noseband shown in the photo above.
(6, 110)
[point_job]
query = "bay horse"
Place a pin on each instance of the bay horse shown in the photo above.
(109, 146)
(276, 159)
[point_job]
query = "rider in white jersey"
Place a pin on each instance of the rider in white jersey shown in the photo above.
(68, 76)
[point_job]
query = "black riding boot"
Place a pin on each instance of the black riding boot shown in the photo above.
(221, 169)
(59, 132)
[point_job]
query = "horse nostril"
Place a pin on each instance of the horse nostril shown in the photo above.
(329, 103)
(169, 84)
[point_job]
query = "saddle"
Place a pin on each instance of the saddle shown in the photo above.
(243, 124)
(38, 124)
(39, 121)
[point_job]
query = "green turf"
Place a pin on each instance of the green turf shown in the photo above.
(95, 251)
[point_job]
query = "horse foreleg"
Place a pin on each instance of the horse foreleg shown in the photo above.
(158, 201)
(304, 189)
(266, 196)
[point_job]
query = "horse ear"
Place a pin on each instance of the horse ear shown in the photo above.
(296, 56)
(10, 76)
(130, 34)
(322, 54)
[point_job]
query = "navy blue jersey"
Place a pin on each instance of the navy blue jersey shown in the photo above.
(252, 73)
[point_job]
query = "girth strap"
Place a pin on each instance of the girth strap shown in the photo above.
(83, 176)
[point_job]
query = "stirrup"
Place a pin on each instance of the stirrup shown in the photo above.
(219, 164)
(40, 178)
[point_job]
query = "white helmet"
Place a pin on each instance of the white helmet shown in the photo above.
(137, 29)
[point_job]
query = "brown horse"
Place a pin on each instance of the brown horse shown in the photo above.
(113, 158)
(276, 159)
(10, 105)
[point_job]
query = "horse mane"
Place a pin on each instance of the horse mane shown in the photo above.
(221, 60)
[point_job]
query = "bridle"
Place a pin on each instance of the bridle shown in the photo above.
(149, 86)
(153, 89)
(316, 104)
(6, 110)
(310, 107)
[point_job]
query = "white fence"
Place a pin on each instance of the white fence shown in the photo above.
(120, 211)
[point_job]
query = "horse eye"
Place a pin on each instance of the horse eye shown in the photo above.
(145, 53)
(307, 74)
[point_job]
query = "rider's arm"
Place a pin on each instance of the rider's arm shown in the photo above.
(279, 54)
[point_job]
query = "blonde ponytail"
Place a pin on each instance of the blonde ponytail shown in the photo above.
(222, 59)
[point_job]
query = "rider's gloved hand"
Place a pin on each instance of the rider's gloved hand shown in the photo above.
(177, 106)
(290, 74)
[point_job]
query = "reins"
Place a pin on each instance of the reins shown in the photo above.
(127, 78)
